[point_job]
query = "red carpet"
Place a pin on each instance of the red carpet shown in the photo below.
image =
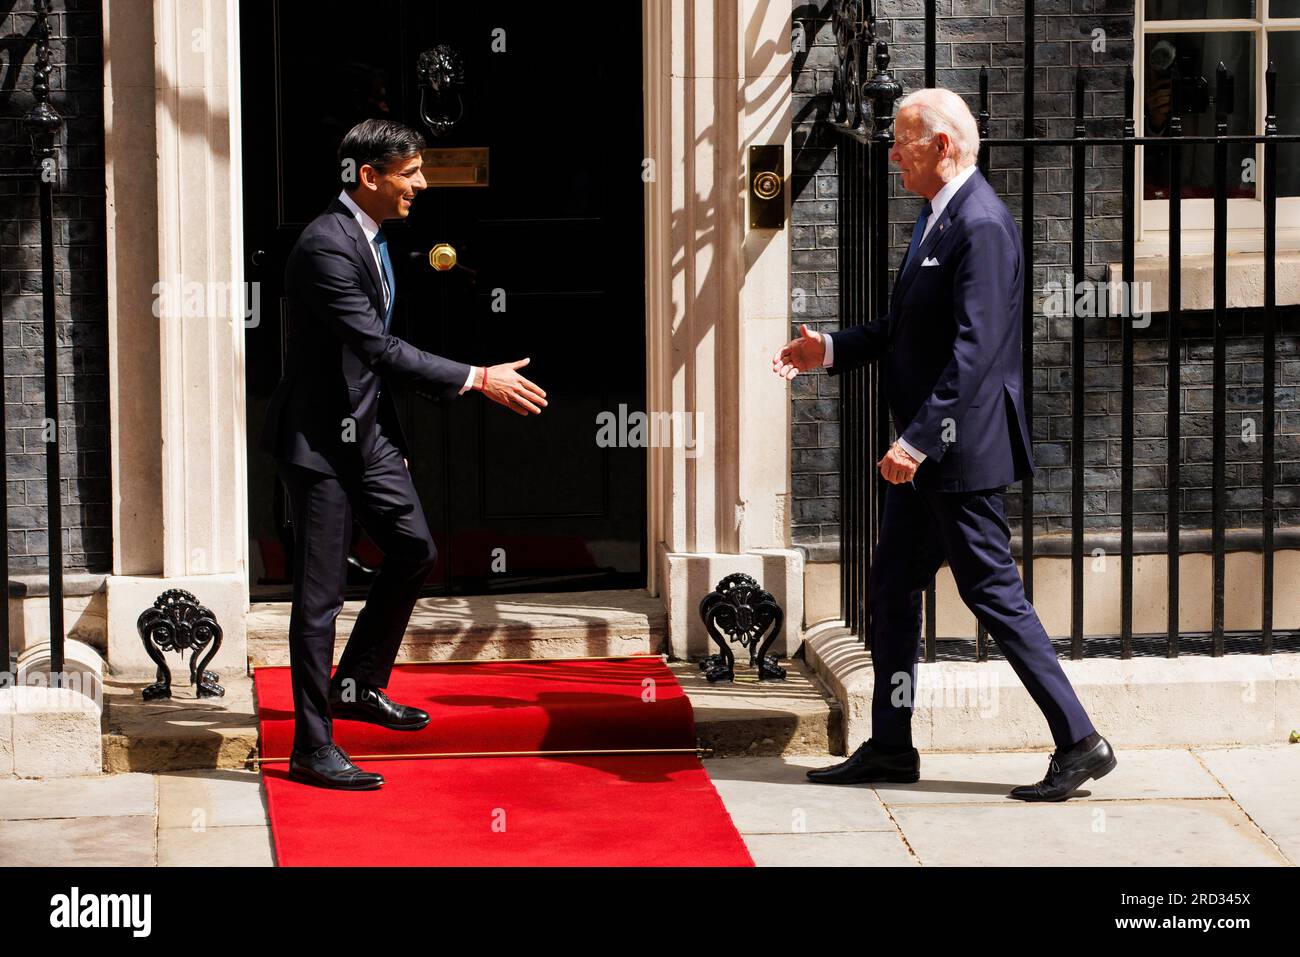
(608, 810)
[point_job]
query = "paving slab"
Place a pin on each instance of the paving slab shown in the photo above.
(1264, 781)
(989, 778)
(211, 799)
(106, 795)
(240, 846)
(1159, 833)
(773, 796)
(846, 849)
(126, 841)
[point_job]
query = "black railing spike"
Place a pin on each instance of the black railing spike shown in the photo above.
(983, 121)
(1270, 99)
(1079, 129)
(1128, 100)
(1176, 106)
(1223, 93)
(984, 100)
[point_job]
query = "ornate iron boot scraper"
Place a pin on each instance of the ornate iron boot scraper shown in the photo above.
(177, 622)
(741, 610)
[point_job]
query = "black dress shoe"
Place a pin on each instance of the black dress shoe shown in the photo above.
(375, 707)
(869, 764)
(330, 767)
(1065, 772)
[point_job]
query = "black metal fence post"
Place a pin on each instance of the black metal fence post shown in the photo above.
(1174, 362)
(1223, 92)
(1027, 306)
(1126, 386)
(43, 123)
(1077, 440)
(1270, 347)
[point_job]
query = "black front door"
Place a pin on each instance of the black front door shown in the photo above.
(548, 266)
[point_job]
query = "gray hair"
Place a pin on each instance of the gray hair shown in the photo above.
(943, 111)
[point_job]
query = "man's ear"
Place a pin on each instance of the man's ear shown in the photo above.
(368, 176)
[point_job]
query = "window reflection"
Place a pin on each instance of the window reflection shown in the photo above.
(1202, 9)
(1196, 56)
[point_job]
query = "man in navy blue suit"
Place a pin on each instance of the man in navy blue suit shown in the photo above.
(950, 342)
(338, 443)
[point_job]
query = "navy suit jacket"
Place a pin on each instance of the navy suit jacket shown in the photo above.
(341, 364)
(951, 347)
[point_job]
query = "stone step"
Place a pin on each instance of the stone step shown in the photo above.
(558, 625)
(1139, 702)
(187, 733)
(182, 733)
(756, 718)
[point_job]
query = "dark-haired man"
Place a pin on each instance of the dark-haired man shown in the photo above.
(334, 431)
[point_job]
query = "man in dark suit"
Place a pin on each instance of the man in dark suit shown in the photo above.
(333, 429)
(951, 346)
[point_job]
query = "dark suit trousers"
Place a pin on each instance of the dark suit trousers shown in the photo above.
(921, 528)
(384, 501)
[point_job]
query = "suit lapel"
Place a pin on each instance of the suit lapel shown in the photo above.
(937, 232)
(353, 229)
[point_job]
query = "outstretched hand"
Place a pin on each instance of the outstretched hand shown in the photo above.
(800, 355)
(505, 386)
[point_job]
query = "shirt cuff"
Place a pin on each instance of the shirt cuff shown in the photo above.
(830, 350)
(469, 380)
(914, 453)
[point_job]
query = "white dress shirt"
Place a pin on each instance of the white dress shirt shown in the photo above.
(371, 230)
(937, 206)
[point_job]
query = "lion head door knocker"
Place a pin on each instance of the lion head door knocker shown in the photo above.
(740, 611)
(177, 622)
(442, 77)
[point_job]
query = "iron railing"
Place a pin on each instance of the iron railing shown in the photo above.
(43, 122)
(862, 112)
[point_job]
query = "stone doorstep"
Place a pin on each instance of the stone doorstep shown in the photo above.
(1138, 703)
(557, 625)
(182, 733)
(768, 718)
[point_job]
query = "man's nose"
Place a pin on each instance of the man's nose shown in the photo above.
(419, 183)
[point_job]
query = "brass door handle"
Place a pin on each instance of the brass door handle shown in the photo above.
(442, 257)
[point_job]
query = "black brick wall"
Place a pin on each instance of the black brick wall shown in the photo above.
(77, 93)
(971, 33)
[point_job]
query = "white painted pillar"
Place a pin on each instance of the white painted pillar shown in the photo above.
(179, 460)
(717, 81)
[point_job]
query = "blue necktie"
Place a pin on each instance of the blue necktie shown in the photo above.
(917, 231)
(381, 242)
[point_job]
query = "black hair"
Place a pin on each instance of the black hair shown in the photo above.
(376, 142)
